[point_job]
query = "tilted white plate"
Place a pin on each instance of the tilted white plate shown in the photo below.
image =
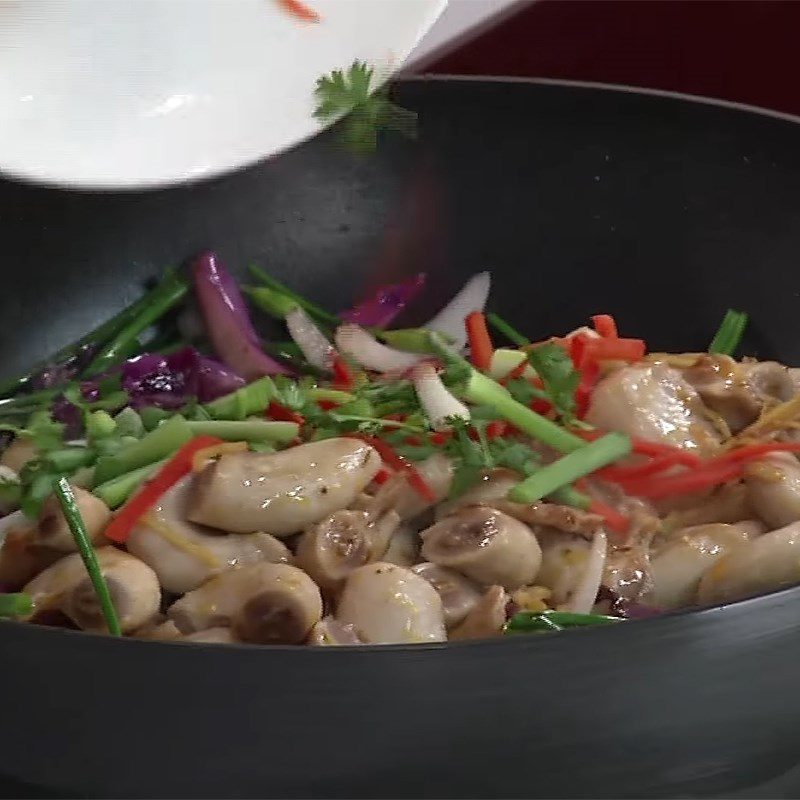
(137, 93)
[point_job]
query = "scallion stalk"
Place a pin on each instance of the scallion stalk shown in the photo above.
(484, 391)
(542, 621)
(511, 333)
(331, 395)
(275, 303)
(159, 443)
(729, 333)
(68, 459)
(116, 491)
(251, 399)
(412, 340)
(154, 305)
(313, 310)
(72, 515)
(570, 496)
(15, 604)
(574, 465)
(249, 430)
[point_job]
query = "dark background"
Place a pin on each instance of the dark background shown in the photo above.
(744, 51)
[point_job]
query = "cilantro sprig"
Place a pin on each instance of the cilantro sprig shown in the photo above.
(348, 94)
(559, 377)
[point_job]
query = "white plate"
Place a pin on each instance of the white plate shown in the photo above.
(137, 93)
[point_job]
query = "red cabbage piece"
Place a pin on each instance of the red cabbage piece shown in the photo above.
(386, 304)
(57, 374)
(171, 381)
(228, 323)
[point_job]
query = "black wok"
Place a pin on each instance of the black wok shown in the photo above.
(659, 210)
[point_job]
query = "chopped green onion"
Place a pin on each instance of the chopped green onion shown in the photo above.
(73, 517)
(729, 333)
(505, 361)
(535, 622)
(152, 417)
(512, 334)
(412, 340)
(484, 391)
(314, 311)
(275, 303)
(249, 430)
(129, 423)
(572, 466)
(15, 604)
(116, 491)
(69, 459)
(251, 399)
(157, 444)
(331, 395)
(152, 306)
(99, 424)
(569, 496)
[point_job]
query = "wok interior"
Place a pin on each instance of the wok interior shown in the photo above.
(392, 195)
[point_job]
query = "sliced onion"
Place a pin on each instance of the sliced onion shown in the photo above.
(314, 345)
(381, 309)
(228, 323)
(434, 397)
(585, 594)
(450, 321)
(365, 349)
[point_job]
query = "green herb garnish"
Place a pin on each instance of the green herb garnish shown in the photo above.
(348, 94)
(559, 377)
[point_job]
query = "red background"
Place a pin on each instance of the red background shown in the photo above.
(746, 51)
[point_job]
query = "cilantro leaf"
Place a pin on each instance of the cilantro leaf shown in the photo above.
(348, 94)
(559, 377)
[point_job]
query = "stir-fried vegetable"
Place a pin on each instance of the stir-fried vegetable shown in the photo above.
(167, 476)
(15, 604)
(729, 334)
(572, 466)
(72, 514)
(544, 622)
(366, 110)
(538, 468)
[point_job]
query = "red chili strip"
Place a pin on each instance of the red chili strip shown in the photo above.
(342, 376)
(282, 414)
(605, 325)
(615, 521)
(300, 10)
(395, 461)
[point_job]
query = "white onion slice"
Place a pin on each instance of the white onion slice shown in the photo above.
(451, 320)
(314, 345)
(365, 349)
(434, 397)
(585, 594)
